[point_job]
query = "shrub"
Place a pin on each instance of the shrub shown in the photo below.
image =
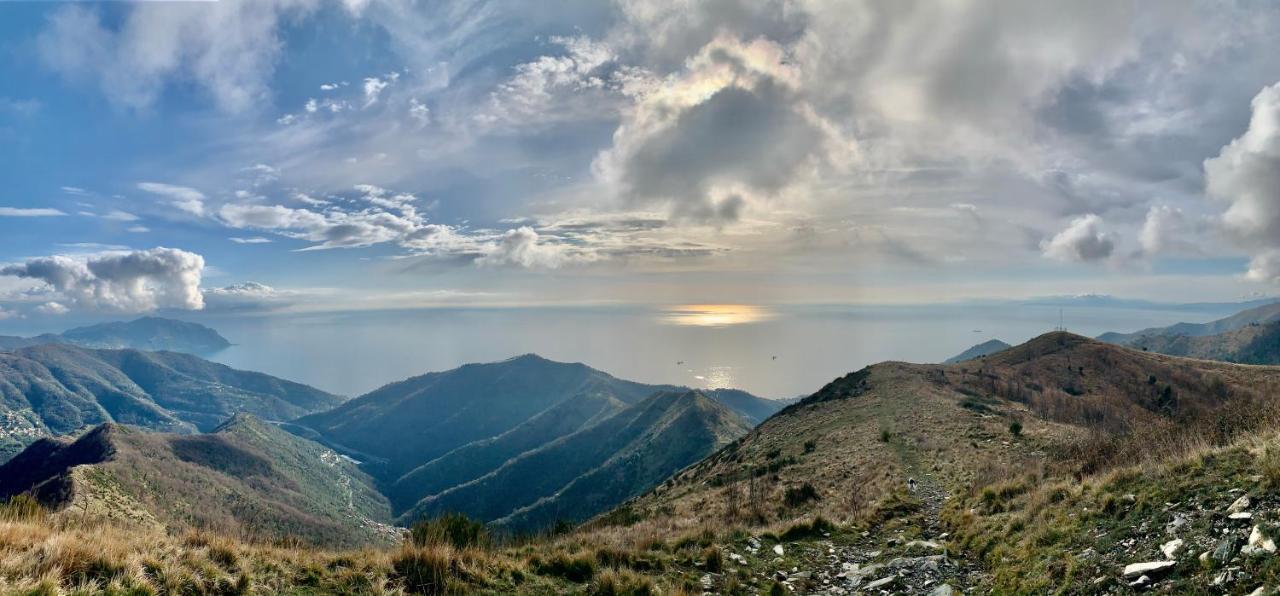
(714, 559)
(454, 529)
(574, 569)
(424, 570)
(21, 508)
(885, 435)
(795, 496)
(1015, 428)
(818, 526)
(612, 582)
(810, 446)
(1270, 463)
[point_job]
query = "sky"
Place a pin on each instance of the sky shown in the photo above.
(290, 155)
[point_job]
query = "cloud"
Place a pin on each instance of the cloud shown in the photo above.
(373, 87)
(521, 247)
(30, 212)
(228, 49)
(118, 215)
(731, 126)
(135, 281)
(7, 314)
(553, 87)
(1265, 267)
(249, 240)
(1246, 176)
(1082, 241)
(246, 296)
(52, 309)
(182, 197)
(1168, 230)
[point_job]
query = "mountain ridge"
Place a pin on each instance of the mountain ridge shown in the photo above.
(548, 470)
(56, 389)
(245, 477)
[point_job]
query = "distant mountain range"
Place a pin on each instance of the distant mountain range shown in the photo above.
(983, 349)
(56, 389)
(147, 333)
(245, 478)
(1266, 313)
(1248, 337)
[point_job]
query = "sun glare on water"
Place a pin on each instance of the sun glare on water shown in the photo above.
(715, 315)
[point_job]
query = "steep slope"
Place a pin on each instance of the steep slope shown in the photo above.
(752, 409)
(55, 389)
(147, 333)
(985, 348)
(1262, 315)
(476, 459)
(1252, 344)
(692, 428)
(596, 467)
(861, 437)
(412, 422)
(247, 479)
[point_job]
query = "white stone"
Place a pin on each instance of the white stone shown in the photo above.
(1239, 504)
(1258, 542)
(1243, 515)
(1139, 569)
(884, 581)
(926, 544)
(777, 550)
(1171, 548)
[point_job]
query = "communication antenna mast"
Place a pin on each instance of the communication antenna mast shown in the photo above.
(1061, 325)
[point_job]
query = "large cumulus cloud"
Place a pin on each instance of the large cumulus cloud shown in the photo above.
(135, 281)
(729, 128)
(1246, 176)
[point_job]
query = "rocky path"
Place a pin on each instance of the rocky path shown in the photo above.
(910, 558)
(903, 556)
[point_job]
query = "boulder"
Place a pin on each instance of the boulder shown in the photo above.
(777, 550)
(942, 590)
(1171, 548)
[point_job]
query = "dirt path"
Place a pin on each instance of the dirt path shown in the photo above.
(906, 555)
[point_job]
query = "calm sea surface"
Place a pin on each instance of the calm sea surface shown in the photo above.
(773, 352)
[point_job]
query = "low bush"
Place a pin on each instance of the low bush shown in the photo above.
(424, 569)
(578, 569)
(454, 529)
(795, 496)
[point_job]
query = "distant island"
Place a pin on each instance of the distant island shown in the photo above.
(146, 333)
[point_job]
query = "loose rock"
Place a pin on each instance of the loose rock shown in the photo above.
(1152, 568)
